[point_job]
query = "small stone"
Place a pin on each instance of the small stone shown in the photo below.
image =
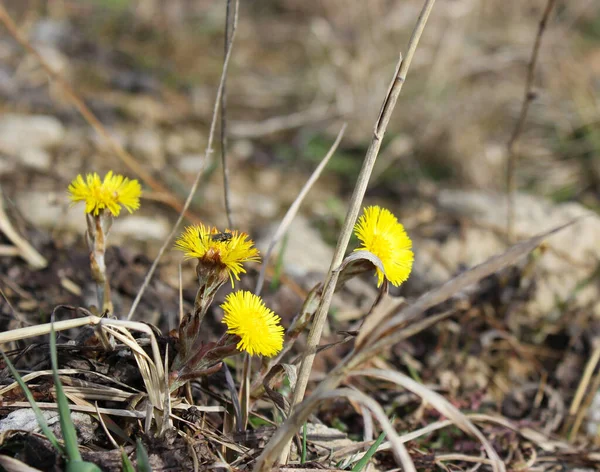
(148, 143)
(570, 261)
(175, 144)
(190, 163)
(56, 33)
(305, 250)
(7, 165)
(19, 132)
(141, 228)
(243, 148)
(264, 205)
(25, 420)
(37, 159)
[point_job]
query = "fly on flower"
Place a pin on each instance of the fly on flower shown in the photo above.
(222, 237)
(222, 251)
(381, 234)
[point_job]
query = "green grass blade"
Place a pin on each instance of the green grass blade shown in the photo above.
(303, 456)
(36, 409)
(81, 466)
(126, 463)
(362, 463)
(275, 281)
(143, 463)
(66, 424)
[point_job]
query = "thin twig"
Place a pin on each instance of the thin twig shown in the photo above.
(275, 124)
(190, 196)
(26, 250)
(385, 114)
(528, 97)
(584, 383)
(229, 36)
(293, 210)
(94, 122)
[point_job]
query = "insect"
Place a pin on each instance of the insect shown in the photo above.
(221, 237)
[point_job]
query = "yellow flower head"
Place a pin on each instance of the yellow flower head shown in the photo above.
(228, 249)
(115, 191)
(381, 234)
(258, 327)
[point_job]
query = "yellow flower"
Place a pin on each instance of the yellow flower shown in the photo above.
(115, 191)
(381, 234)
(229, 250)
(258, 327)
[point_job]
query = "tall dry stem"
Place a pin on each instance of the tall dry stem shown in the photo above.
(381, 124)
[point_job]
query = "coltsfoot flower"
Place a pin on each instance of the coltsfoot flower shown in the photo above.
(381, 234)
(228, 250)
(111, 193)
(258, 327)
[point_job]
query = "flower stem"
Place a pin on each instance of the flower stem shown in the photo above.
(98, 226)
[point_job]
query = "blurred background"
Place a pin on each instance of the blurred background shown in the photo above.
(149, 71)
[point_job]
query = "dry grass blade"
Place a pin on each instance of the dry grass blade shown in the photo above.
(192, 192)
(153, 373)
(40, 330)
(440, 404)
(387, 108)
(10, 464)
(86, 409)
(387, 332)
(584, 383)
(64, 372)
(229, 37)
(25, 250)
(255, 129)
(528, 97)
(301, 414)
(293, 210)
(463, 458)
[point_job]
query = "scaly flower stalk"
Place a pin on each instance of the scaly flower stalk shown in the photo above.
(103, 201)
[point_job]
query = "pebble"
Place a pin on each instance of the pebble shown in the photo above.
(570, 260)
(20, 132)
(37, 159)
(147, 142)
(190, 163)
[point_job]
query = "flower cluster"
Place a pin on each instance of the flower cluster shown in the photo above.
(221, 255)
(381, 234)
(111, 193)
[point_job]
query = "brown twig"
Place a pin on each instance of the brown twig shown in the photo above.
(528, 97)
(23, 247)
(231, 18)
(93, 121)
(381, 124)
(188, 201)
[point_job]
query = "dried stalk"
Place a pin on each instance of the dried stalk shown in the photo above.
(229, 36)
(192, 192)
(381, 124)
(528, 97)
(22, 246)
